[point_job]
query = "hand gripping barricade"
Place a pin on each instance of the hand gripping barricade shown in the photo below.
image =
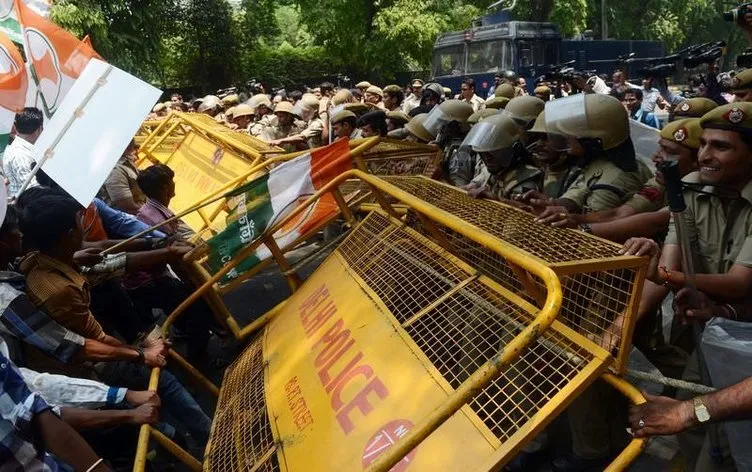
(409, 350)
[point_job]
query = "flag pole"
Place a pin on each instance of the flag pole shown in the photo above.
(77, 113)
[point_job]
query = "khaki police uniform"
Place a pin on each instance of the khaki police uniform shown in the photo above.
(603, 186)
(720, 233)
(277, 131)
(257, 128)
(517, 180)
(312, 132)
(559, 177)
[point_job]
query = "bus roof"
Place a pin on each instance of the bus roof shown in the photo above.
(511, 29)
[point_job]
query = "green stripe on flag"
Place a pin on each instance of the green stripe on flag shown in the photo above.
(249, 216)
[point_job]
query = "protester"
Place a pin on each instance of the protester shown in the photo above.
(18, 161)
(120, 190)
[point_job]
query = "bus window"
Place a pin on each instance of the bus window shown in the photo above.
(525, 50)
(489, 56)
(449, 60)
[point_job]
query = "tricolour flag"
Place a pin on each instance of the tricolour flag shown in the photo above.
(56, 56)
(267, 200)
(14, 83)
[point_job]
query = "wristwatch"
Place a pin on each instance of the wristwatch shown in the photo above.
(141, 357)
(701, 411)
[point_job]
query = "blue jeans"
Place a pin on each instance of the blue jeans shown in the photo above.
(178, 405)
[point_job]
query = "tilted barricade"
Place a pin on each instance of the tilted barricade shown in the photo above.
(403, 349)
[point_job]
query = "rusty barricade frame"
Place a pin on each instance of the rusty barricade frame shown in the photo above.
(478, 380)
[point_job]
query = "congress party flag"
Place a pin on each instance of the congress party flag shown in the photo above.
(267, 200)
(57, 57)
(14, 84)
(9, 21)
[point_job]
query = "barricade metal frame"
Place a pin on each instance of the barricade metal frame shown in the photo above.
(548, 309)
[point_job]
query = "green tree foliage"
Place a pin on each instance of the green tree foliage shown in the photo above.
(210, 47)
(208, 44)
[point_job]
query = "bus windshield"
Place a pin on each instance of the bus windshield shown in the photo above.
(489, 56)
(449, 60)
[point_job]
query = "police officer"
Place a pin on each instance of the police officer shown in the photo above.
(344, 125)
(307, 109)
(284, 125)
(560, 169)
(480, 114)
(242, 117)
(393, 98)
(497, 140)
(417, 132)
(396, 120)
(211, 105)
(262, 107)
(413, 100)
(543, 92)
(374, 96)
(597, 131)
(741, 86)
(363, 86)
(718, 216)
(692, 108)
(448, 123)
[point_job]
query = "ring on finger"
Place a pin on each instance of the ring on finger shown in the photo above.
(641, 424)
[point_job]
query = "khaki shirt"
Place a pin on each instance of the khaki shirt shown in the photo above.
(276, 131)
(121, 183)
(720, 237)
(257, 128)
(603, 186)
(651, 197)
(312, 132)
(519, 179)
(558, 179)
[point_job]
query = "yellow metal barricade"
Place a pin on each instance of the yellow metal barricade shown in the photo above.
(398, 351)
(601, 287)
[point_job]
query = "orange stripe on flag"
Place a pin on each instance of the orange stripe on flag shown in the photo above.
(13, 79)
(329, 162)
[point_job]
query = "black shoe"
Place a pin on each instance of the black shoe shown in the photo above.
(573, 463)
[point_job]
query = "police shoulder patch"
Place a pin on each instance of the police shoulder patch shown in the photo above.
(685, 107)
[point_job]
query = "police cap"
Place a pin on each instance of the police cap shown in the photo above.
(363, 85)
(375, 91)
(283, 107)
(397, 116)
(686, 132)
(242, 110)
(694, 108)
(731, 117)
(742, 81)
(343, 115)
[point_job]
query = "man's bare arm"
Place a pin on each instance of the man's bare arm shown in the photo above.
(60, 439)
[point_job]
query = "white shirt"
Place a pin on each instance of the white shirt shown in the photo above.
(476, 102)
(413, 101)
(18, 164)
(649, 99)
